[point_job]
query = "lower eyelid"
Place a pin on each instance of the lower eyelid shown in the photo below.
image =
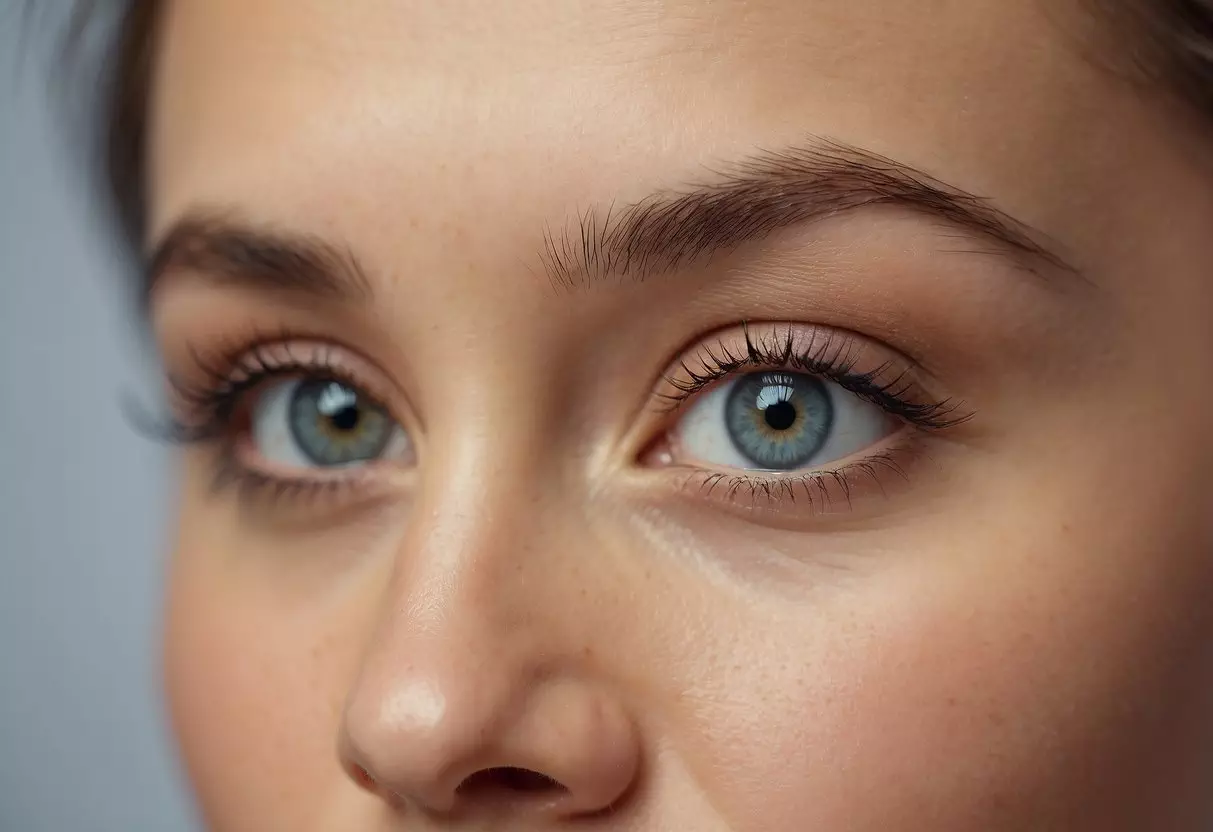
(239, 466)
(788, 499)
(246, 454)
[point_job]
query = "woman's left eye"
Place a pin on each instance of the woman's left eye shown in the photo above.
(777, 421)
(322, 423)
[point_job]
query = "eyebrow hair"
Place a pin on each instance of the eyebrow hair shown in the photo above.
(665, 232)
(765, 193)
(229, 251)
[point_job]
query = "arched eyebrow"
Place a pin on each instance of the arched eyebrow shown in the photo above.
(765, 193)
(224, 249)
(750, 200)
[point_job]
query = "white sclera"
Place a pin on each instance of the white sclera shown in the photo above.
(275, 441)
(703, 434)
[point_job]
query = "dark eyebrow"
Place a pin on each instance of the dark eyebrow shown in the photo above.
(767, 192)
(667, 231)
(230, 251)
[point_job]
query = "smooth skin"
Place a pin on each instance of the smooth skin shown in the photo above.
(1014, 635)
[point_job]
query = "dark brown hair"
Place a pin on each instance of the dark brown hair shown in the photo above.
(1166, 44)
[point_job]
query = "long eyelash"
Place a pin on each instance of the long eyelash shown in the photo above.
(829, 355)
(205, 411)
(207, 407)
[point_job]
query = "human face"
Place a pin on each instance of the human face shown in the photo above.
(622, 415)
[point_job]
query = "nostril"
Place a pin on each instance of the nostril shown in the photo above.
(362, 777)
(510, 779)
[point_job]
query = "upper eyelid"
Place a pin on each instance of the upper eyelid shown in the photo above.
(287, 356)
(713, 357)
(893, 381)
(707, 379)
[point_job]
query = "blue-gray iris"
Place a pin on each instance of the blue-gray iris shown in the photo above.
(779, 420)
(333, 424)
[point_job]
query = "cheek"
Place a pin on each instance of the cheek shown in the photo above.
(254, 692)
(993, 692)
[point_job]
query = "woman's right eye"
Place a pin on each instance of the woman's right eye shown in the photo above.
(778, 421)
(317, 422)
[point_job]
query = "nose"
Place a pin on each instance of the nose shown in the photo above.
(559, 751)
(461, 711)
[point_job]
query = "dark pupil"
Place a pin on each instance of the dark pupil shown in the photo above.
(778, 421)
(339, 405)
(334, 424)
(780, 416)
(345, 419)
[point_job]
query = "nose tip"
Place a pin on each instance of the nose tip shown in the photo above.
(568, 751)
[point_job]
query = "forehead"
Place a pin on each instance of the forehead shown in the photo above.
(297, 107)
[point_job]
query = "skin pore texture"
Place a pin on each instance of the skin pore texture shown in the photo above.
(551, 604)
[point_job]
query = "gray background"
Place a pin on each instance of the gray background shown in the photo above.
(83, 501)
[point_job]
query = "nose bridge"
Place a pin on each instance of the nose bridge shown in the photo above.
(454, 653)
(496, 541)
(475, 664)
(484, 547)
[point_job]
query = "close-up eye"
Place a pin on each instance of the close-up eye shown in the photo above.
(777, 420)
(306, 422)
